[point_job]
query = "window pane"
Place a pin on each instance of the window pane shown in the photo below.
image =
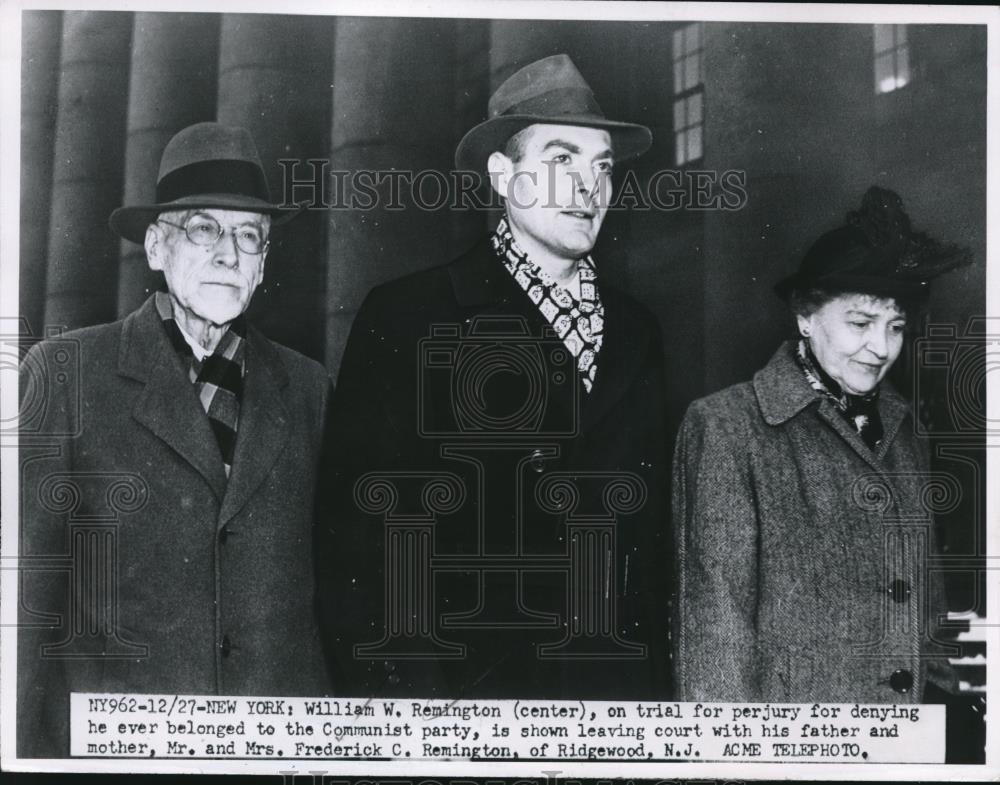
(902, 66)
(900, 34)
(679, 121)
(678, 77)
(694, 109)
(692, 75)
(694, 143)
(885, 79)
(883, 38)
(679, 147)
(678, 44)
(691, 38)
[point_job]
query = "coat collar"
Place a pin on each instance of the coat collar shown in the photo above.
(170, 409)
(783, 392)
(479, 279)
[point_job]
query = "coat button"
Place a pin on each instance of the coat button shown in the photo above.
(899, 590)
(537, 461)
(901, 681)
(227, 646)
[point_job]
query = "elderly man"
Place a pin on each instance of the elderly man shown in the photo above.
(182, 462)
(492, 522)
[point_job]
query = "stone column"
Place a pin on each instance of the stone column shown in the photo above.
(41, 33)
(173, 85)
(394, 99)
(472, 92)
(82, 273)
(274, 79)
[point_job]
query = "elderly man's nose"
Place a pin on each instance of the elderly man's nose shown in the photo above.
(225, 251)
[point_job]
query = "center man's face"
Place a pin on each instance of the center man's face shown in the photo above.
(211, 280)
(558, 192)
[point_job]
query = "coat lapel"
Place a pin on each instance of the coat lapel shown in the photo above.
(782, 392)
(480, 282)
(168, 406)
(262, 430)
(620, 359)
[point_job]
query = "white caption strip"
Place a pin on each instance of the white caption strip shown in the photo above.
(200, 727)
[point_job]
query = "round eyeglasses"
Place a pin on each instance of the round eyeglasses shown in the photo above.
(205, 230)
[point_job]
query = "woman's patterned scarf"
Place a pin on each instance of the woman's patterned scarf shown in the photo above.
(579, 323)
(860, 411)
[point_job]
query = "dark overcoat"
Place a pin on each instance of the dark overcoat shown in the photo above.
(201, 585)
(804, 558)
(489, 529)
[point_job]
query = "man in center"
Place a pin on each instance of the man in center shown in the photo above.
(491, 515)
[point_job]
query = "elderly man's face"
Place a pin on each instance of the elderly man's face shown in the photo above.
(212, 280)
(856, 338)
(558, 191)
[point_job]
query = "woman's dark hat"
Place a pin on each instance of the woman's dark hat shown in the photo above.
(550, 90)
(203, 165)
(876, 252)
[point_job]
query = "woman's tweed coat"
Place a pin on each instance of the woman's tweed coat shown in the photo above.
(802, 556)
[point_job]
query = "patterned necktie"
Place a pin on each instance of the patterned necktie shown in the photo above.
(579, 323)
(860, 411)
(218, 379)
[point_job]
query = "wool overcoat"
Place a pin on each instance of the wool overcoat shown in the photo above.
(804, 559)
(489, 529)
(144, 569)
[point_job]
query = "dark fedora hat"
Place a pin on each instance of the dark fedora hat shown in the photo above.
(203, 165)
(875, 252)
(551, 91)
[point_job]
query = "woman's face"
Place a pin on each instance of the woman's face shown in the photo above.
(856, 338)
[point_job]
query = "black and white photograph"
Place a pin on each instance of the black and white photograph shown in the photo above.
(550, 389)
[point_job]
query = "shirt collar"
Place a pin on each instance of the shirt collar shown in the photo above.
(164, 306)
(512, 254)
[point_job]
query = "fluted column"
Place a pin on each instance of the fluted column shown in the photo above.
(274, 79)
(394, 93)
(41, 33)
(172, 85)
(82, 285)
(472, 93)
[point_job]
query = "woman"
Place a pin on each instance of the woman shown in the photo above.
(802, 535)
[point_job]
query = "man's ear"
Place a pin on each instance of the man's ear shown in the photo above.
(501, 170)
(154, 247)
(260, 270)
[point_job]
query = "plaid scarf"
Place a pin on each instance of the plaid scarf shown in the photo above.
(579, 323)
(860, 411)
(218, 379)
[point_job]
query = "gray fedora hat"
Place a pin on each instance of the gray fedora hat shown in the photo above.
(550, 91)
(203, 165)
